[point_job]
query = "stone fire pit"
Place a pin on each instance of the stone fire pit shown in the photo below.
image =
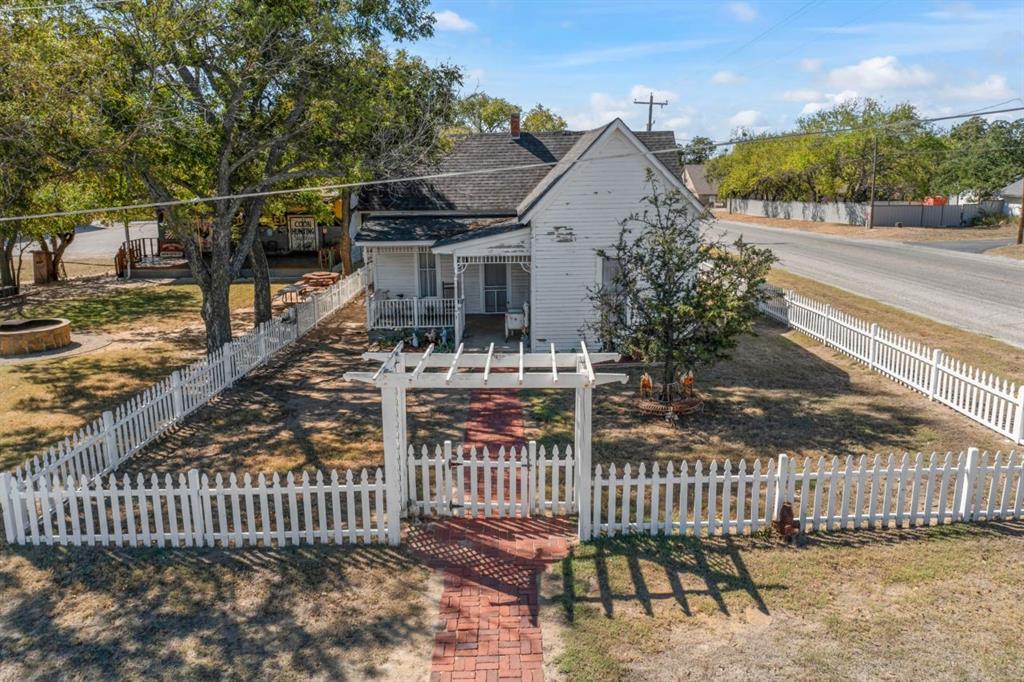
(21, 337)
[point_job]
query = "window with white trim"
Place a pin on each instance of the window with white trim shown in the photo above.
(428, 274)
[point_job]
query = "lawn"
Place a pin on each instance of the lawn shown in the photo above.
(298, 412)
(1015, 251)
(981, 351)
(943, 602)
(781, 392)
(151, 330)
(320, 613)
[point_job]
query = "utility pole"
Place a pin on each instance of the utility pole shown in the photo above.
(1020, 225)
(650, 109)
(871, 200)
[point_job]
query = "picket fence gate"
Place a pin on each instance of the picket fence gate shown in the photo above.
(102, 445)
(984, 397)
(518, 482)
(836, 494)
(193, 511)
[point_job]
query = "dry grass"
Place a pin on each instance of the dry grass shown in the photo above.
(943, 602)
(981, 351)
(324, 613)
(780, 392)
(154, 329)
(903, 234)
(1015, 251)
(298, 412)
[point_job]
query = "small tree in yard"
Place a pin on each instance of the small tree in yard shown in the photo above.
(679, 297)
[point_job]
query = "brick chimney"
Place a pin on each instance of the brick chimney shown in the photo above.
(513, 126)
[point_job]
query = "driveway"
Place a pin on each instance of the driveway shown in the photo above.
(96, 241)
(971, 291)
(968, 245)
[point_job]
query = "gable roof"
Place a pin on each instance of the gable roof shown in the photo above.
(699, 179)
(1013, 190)
(501, 191)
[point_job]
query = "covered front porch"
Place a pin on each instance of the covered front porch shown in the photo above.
(476, 286)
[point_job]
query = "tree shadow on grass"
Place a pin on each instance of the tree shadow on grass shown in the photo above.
(112, 307)
(323, 611)
(773, 396)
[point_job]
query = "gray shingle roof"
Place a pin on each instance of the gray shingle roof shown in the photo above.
(426, 228)
(1013, 190)
(498, 192)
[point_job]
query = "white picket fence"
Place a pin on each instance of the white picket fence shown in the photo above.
(194, 511)
(982, 396)
(523, 481)
(838, 494)
(102, 445)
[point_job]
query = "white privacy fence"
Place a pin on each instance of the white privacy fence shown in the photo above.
(982, 396)
(195, 511)
(832, 495)
(102, 445)
(467, 482)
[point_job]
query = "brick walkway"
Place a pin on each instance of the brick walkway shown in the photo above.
(495, 419)
(488, 627)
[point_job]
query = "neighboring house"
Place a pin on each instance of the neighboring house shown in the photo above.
(1011, 196)
(470, 251)
(697, 182)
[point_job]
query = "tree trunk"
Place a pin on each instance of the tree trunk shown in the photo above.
(7, 275)
(346, 238)
(261, 282)
(217, 312)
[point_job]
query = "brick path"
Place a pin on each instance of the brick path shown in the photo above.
(488, 627)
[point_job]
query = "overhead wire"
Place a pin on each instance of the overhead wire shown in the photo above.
(481, 171)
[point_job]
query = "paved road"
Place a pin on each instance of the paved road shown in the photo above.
(94, 241)
(968, 245)
(980, 293)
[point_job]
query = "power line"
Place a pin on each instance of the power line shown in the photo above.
(456, 174)
(789, 17)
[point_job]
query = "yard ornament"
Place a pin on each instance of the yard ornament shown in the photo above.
(785, 525)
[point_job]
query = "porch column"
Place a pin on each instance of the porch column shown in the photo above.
(367, 267)
(391, 415)
(584, 465)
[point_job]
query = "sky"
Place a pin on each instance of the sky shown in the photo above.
(757, 64)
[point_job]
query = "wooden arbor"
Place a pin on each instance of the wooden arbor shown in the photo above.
(461, 371)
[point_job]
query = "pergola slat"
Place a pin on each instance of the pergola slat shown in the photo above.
(434, 380)
(500, 360)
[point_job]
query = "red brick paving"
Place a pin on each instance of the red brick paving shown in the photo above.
(488, 627)
(495, 418)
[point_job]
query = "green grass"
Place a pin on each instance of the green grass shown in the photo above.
(843, 605)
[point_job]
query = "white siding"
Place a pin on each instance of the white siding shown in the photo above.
(446, 271)
(394, 273)
(472, 280)
(581, 216)
(519, 286)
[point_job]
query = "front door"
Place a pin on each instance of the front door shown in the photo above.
(302, 233)
(495, 287)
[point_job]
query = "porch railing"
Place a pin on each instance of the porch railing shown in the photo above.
(422, 313)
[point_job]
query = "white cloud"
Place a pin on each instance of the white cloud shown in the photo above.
(992, 88)
(801, 95)
(741, 11)
(644, 92)
(810, 64)
(621, 53)
(726, 78)
(447, 20)
(678, 122)
(880, 73)
(745, 119)
(828, 100)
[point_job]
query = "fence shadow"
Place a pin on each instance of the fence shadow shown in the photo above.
(647, 570)
(301, 612)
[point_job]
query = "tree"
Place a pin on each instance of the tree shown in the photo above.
(982, 157)
(238, 97)
(698, 150)
(47, 132)
(678, 297)
(542, 120)
(481, 113)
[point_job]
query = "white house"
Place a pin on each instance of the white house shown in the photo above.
(517, 247)
(1011, 196)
